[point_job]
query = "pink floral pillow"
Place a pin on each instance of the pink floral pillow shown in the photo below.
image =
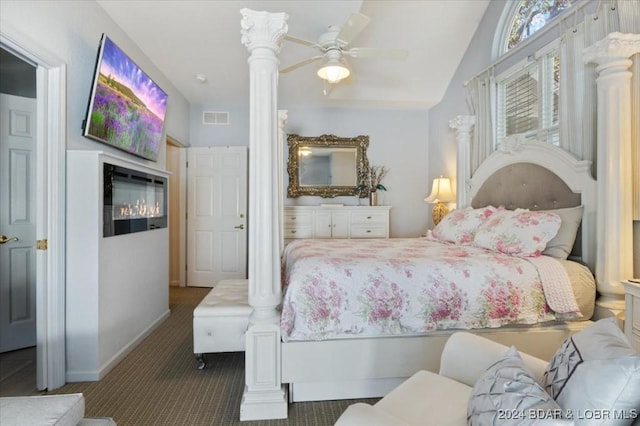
(460, 226)
(518, 232)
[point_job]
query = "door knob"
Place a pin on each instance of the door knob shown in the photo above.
(241, 226)
(5, 239)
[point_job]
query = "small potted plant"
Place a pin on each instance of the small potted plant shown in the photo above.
(376, 174)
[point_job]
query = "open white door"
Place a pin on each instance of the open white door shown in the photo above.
(17, 222)
(216, 215)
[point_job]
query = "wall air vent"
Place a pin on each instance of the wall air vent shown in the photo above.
(215, 117)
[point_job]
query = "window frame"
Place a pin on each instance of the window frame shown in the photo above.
(501, 36)
(546, 129)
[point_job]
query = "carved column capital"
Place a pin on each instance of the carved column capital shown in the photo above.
(463, 123)
(263, 29)
(612, 48)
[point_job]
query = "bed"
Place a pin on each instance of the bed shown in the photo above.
(409, 286)
(329, 353)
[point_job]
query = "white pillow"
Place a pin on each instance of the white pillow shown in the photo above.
(596, 372)
(460, 226)
(518, 232)
(507, 394)
(561, 245)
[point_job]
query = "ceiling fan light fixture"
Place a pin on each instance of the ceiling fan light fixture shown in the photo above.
(333, 71)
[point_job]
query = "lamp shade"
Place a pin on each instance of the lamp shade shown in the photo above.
(440, 191)
(333, 71)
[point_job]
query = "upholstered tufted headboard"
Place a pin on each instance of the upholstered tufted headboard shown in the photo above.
(538, 176)
(527, 186)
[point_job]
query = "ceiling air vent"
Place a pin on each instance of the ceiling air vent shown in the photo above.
(215, 117)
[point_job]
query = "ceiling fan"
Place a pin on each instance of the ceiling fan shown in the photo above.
(334, 47)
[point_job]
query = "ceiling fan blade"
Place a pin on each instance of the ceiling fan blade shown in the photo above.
(374, 53)
(354, 25)
(300, 64)
(301, 41)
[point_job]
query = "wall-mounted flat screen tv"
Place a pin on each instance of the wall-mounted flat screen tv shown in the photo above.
(126, 107)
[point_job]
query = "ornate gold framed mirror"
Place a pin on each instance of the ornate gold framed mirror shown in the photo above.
(326, 165)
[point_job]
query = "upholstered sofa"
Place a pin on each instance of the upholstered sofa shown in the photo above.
(603, 382)
(58, 410)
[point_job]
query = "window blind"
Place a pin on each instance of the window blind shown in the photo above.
(518, 103)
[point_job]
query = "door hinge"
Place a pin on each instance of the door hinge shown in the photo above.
(42, 244)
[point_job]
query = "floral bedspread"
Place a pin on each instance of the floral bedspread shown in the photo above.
(414, 285)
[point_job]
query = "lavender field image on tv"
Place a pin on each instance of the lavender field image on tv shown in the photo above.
(127, 109)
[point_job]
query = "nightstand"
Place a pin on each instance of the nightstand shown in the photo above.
(632, 314)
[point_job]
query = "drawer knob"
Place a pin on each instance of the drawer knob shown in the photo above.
(369, 230)
(293, 231)
(368, 217)
(293, 218)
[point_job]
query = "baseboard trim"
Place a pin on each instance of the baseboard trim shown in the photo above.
(108, 366)
(96, 375)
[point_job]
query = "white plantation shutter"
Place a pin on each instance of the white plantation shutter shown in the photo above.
(518, 103)
(528, 99)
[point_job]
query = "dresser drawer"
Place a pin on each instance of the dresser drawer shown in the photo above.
(374, 231)
(368, 218)
(294, 219)
(298, 232)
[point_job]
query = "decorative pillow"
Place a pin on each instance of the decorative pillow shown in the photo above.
(596, 371)
(518, 232)
(460, 226)
(561, 245)
(507, 394)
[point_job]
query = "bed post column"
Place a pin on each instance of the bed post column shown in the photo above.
(463, 125)
(614, 226)
(264, 395)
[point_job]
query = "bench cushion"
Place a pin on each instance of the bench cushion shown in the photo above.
(221, 319)
(228, 297)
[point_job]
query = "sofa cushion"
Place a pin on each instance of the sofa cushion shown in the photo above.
(596, 370)
(455, 358)
(507, 394)
(59, 410)
(427, 395)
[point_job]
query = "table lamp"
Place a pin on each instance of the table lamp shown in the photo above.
(441, 193)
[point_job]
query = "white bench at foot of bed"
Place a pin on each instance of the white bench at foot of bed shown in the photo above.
(220, 320)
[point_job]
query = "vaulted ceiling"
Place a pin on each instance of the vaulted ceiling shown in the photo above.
(189, 37)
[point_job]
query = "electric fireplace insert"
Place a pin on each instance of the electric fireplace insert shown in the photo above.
(134, 201)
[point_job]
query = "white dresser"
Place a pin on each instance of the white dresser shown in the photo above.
(336, 222)
(632, 316)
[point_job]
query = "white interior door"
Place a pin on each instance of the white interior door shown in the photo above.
(216, 215)
(17, 222)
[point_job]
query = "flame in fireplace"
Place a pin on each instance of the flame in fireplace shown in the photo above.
(140, 210)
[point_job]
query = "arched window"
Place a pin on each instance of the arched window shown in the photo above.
(528, 92)
(530, 16)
